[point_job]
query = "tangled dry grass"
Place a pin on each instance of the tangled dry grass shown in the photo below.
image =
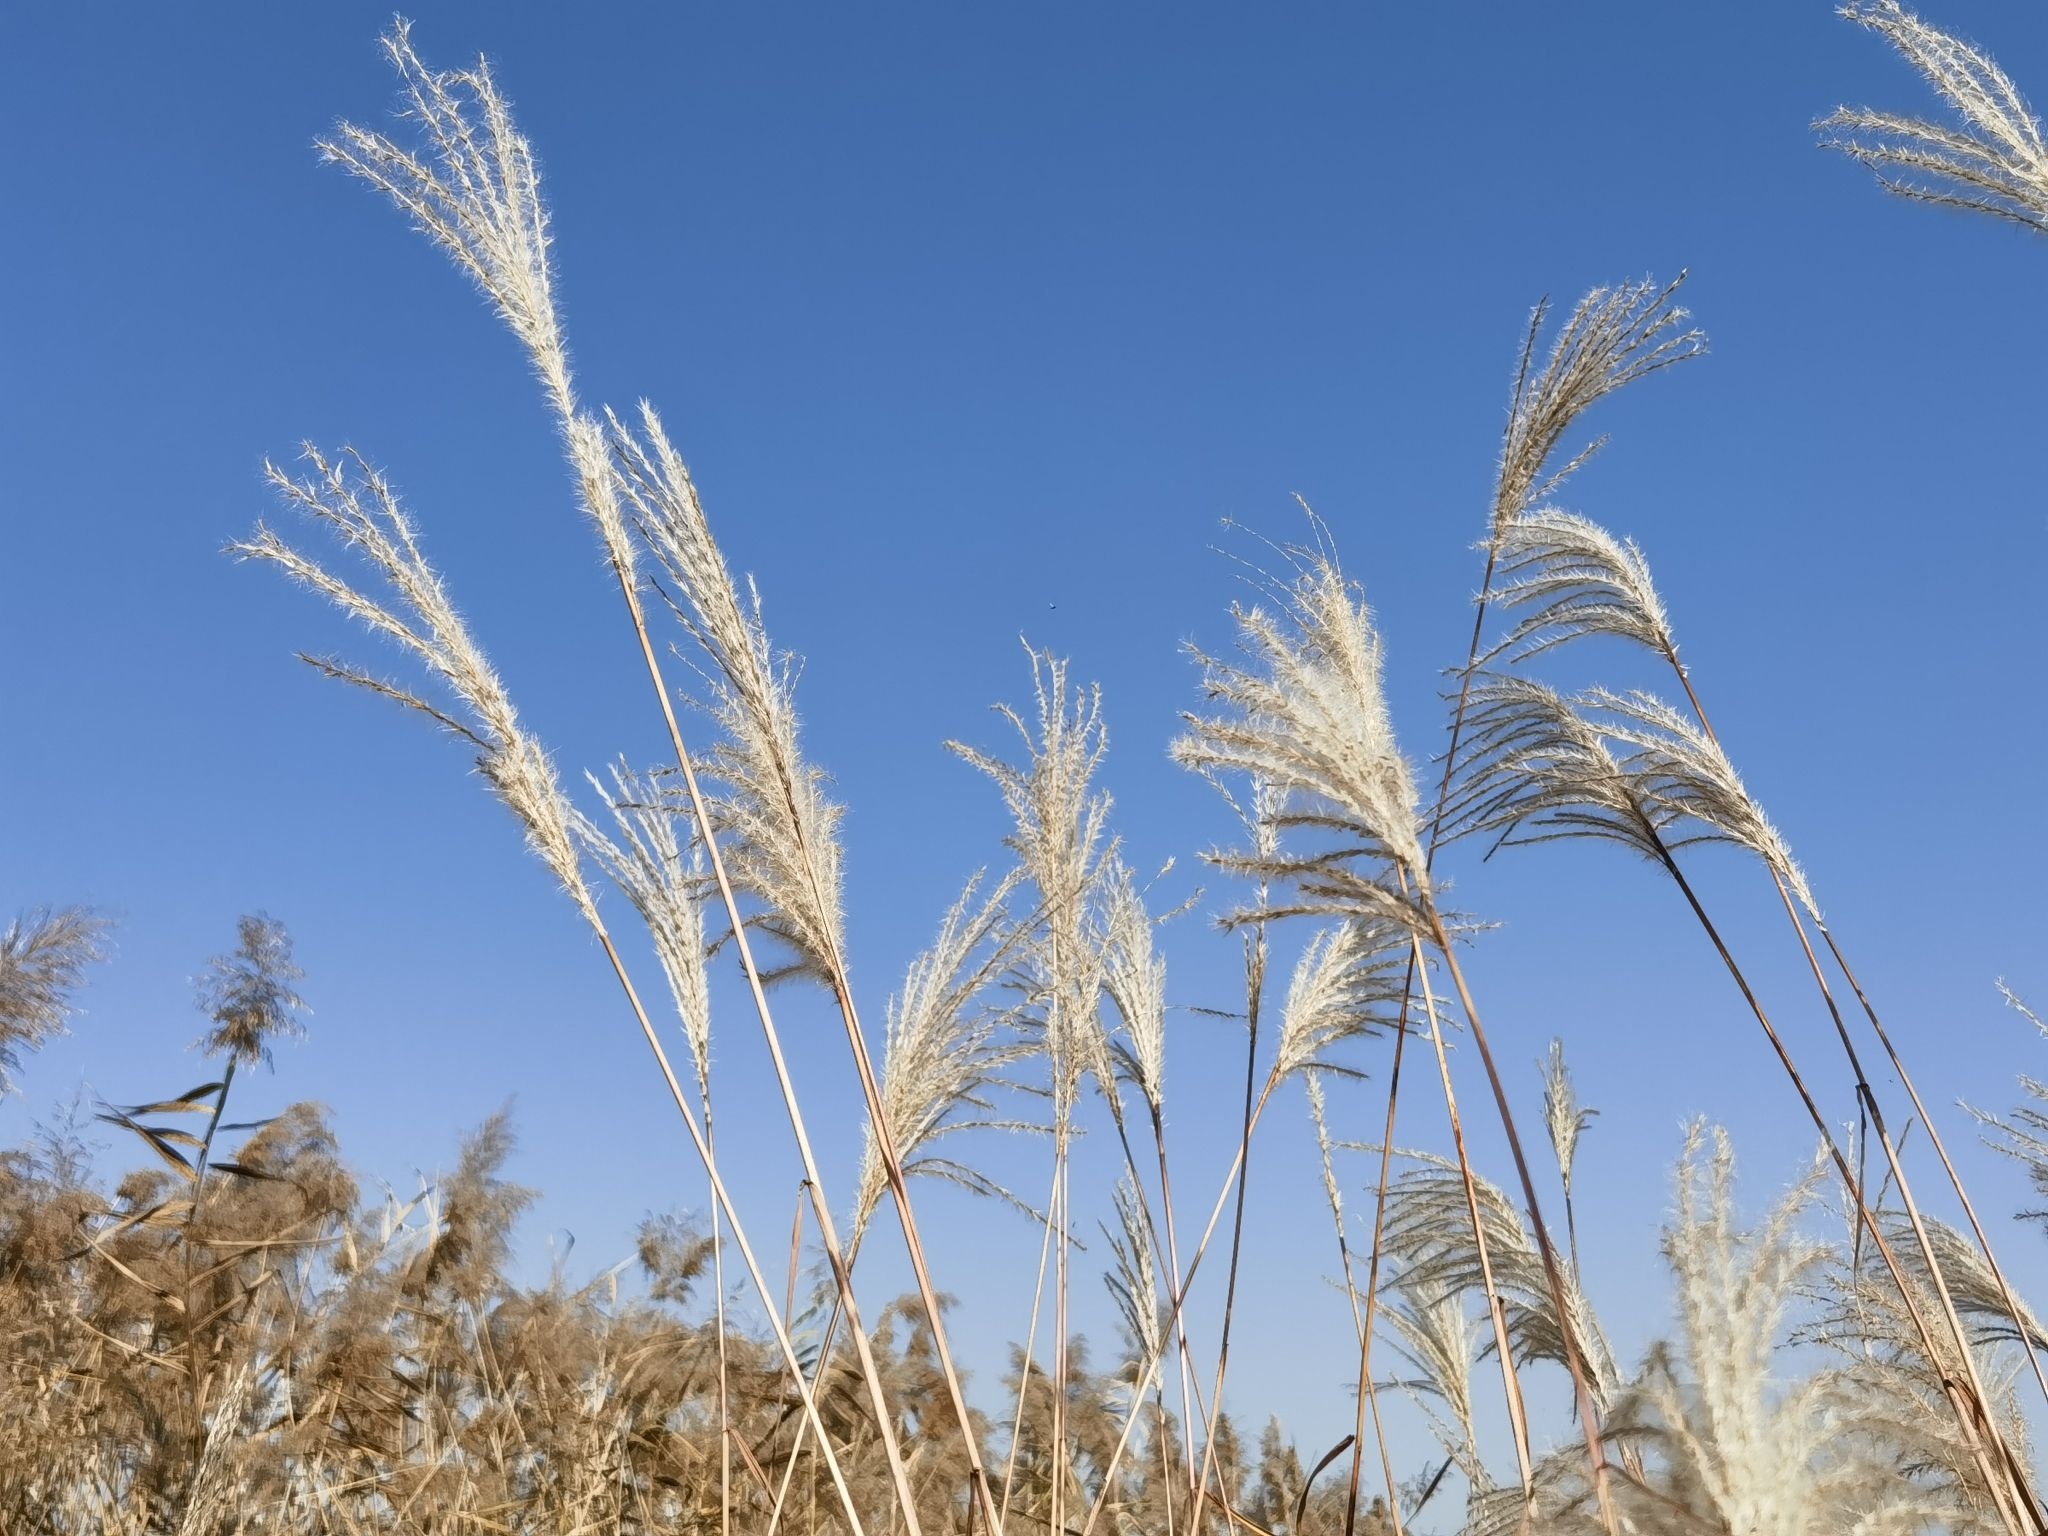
(235, 1338)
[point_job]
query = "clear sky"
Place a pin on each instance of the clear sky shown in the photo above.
(973, 322)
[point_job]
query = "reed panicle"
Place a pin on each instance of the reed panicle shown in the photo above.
(1347, 986)
(1613, 337)
(1306, 715)
(44, 954)
(947, 1051)
(1994, 162)
(473, 189)
(1133, 979)
(1132, 1282)
(1565, 577)
(355, 505)
(666, 887)
(779, 828)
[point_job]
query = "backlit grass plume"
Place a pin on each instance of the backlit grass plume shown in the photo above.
(355, 505)
(778, 827)
(1624, 768)
(1737, 1447)
(1134, 979)
(1566, 577)
(249, 995)
(1347, 985)
(666, 887)
(1429, 1232)
(1613, 337)
(1059, 833)
(1305, 713)
(947, 1050)
(1992, 160)
(43, 957)
(473, 189)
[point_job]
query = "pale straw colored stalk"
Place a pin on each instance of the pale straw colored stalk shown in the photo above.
(366, 517)
(479, 199)
(1368, 1392)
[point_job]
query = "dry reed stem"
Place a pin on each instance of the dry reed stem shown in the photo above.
(1368, 1392)
(1866, 1098)
(1372, 1283)
(1255, 975)
(725, 1204)
(1030, 1343)
(827, 1232)
(1967, 1413)
(2013, 1306)
(1867, 1104)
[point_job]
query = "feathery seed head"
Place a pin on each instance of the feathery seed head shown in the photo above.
(1691, 775)
(1537, 765)
(778, 827)
(356, 506)
(1349, 983)
(1059, 826)
(665, 887)
(1570, 578)
(248, 994)
(1440, 1340)
(1134, 976)
(1306, 715)
(1131, 1276)
(43, 956)
(1563, 1116)
(1613, 337)
(1995, 163)
(1429, 1229)
(474, 190)
(1533, 768)
(945, 1052)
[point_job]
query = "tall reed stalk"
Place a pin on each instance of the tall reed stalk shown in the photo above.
(480, 202)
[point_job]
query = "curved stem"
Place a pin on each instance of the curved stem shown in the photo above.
(1966, 1415)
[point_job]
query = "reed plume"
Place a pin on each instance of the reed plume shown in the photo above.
(947, 1051)
(1993, 161)
(44, 954)
(779, 828)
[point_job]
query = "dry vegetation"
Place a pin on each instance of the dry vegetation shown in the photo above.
(234, 1339)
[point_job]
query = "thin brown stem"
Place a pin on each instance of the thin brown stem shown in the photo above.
(725, 1431)
(1255, 972)
(1496, 1311)
(827, 1231)
(724, 1199)
(1436, 826)
(1867, 1100)
(927, 1291)
(1179, 1302)
(1060, 1341)
(1589, 1413)
(1180, 1322)
(1367, 1394)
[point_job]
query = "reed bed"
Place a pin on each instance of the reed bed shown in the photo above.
(235, 1337)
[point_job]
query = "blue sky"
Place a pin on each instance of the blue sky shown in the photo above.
(974, 322)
